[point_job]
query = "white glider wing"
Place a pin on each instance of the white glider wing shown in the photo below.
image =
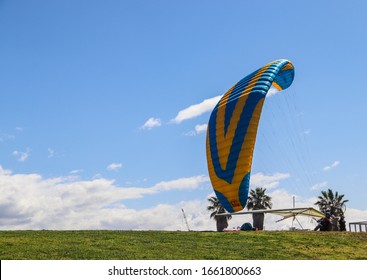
(285, 213)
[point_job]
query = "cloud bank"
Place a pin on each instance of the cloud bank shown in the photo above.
(29, 201)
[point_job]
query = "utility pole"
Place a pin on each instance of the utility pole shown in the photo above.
(294, 202)
(187, 224)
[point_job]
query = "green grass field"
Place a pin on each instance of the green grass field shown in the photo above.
(165, 245)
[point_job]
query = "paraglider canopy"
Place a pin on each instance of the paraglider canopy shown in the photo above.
(232, 129)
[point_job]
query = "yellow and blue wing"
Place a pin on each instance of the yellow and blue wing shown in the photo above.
(232, 132)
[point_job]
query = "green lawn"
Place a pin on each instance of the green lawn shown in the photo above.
(163, 245)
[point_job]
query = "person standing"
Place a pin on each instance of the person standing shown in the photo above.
(342, 223)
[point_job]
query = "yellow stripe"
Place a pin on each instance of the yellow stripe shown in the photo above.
(220, 129)
(245, 158)
(288, 66)
(278, 87)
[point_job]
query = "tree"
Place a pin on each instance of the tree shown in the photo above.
(258, 200)
(334, 203)
(217, 208)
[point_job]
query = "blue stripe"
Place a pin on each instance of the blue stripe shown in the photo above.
(240, 134)
(243, 190)
(233, 99)
(224, 201)
(285, 78)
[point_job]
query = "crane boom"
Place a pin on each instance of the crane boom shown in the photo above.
(187, 224)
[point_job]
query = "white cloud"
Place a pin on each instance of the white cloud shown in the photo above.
(319, 185)
(28, 201)
(200, 128)
(196, 109)
(146, 219)
(114, 166)
(97, 176)
(21, 156)
(189, 183)
(151, 123)
(190, 133)
(267, 181)
(4, 171)
(76, 171)
(181, 184)
(334, 164)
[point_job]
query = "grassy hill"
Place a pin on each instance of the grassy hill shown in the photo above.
(163, 245)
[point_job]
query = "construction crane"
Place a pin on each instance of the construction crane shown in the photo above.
(187, 224)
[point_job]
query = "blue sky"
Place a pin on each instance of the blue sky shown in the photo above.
(104, 106)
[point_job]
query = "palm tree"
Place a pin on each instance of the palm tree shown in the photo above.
(334, 203)
(258, 200)
(217, 208)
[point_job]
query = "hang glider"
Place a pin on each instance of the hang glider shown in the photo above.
(285, 213)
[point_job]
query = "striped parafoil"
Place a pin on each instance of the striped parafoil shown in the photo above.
(232, 132)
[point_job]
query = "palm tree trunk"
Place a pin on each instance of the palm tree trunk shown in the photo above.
(258, 220)
(334, 224)
(222, 223)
